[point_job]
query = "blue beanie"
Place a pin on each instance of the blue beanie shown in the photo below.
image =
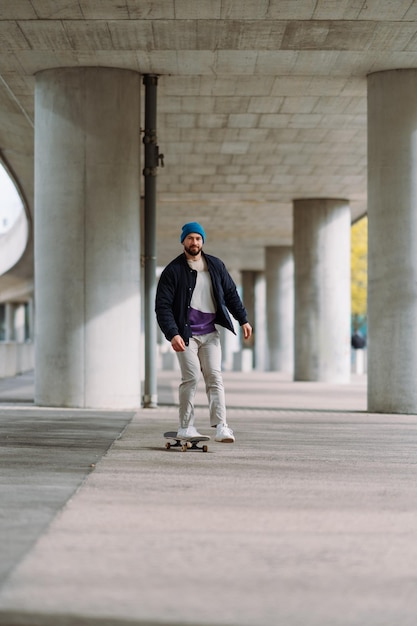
(192, 227)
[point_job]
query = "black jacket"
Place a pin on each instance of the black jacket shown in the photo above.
(175, 290)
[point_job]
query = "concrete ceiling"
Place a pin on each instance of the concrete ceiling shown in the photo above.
(259, 101)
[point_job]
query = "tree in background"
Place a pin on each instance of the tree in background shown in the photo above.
(359, 274)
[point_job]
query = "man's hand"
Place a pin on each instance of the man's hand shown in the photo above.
(178, 344)
(247, 330)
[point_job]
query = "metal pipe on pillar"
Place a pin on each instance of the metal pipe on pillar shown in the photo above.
(152, 158)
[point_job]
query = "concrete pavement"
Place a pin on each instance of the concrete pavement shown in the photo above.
(309, 518)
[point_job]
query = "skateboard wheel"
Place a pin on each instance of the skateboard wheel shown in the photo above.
(184, 447)
(167, 445)
(189, 444)
(205, 448)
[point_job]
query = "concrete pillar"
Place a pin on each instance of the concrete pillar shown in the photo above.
(87, 238)
(230, 346)
(248, 296)
(9, 322)
(30, 320)
(322, 290)
(392, 248)
(254, 296)
(19, 323)
(260, 347)
(279, 272)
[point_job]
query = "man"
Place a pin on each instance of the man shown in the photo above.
(195, 292)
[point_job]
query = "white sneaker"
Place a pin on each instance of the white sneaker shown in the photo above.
(190, 431)
(224, 434)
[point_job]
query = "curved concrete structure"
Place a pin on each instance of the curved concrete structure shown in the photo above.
(13, 243)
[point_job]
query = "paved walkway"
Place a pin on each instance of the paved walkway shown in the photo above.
(309, 519)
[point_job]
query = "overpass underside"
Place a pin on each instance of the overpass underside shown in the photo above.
(281, 123)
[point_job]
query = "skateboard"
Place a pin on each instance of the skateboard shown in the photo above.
(189, 443)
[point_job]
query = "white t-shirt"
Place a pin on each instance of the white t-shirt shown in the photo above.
(203, 305)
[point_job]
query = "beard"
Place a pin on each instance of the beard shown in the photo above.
(193, 250)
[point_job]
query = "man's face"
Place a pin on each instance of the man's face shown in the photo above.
(193, 244)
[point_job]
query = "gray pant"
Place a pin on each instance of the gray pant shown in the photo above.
(203, 354)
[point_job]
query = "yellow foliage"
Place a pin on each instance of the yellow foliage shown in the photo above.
(359, 269)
